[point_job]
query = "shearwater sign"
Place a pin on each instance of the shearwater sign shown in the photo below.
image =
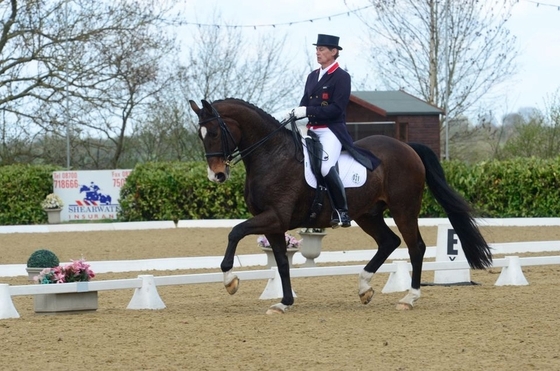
(89, 195)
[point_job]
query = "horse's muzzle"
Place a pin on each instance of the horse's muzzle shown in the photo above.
(218, 177)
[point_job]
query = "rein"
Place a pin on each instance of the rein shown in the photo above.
(240, 155)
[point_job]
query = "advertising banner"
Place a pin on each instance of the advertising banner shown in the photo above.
(89, 194)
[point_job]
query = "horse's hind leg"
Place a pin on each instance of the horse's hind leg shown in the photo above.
(387, 241)
(408, 226)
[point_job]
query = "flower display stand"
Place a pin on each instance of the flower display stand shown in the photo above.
(53, 215)
(311, 246)
(32, 272)
(271, 261)
(65, 302)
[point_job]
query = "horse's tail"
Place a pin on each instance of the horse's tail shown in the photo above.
(458, 211)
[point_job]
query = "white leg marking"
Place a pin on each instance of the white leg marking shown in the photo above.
(363, 281)
(411, 298)
(229, 276)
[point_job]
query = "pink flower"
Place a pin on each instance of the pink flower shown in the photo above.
(76, 271)
(291, 241)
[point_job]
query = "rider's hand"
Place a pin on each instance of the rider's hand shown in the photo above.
(286, 116)
(299, 112)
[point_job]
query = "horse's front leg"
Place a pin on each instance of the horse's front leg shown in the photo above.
(256, 225)
(278, 244)
(231, 281)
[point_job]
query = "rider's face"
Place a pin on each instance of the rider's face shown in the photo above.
(325, 56)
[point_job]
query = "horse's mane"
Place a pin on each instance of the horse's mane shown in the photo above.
(260, 111)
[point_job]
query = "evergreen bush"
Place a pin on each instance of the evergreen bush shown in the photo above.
(43, 258)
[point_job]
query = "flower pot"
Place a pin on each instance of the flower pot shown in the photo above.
(32, 272)
(310, 246)
(53, 215)
(271, 261)
(66, 302)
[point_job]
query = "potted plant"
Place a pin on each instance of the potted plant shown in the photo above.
(77, 271)
(52, 204)
(82, 300)
(39, 260)
(292, 245)
(311, 244)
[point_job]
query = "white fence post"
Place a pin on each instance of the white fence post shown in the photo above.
(273, 289)
(399, 280)
(7, 309)
(147, 296)
(512, 274)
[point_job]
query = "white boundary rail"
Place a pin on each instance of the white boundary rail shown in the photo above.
(146, 295)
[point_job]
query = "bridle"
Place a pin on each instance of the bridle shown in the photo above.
(236, 154)
(225, 137)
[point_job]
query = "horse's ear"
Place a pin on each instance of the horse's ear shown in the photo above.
(194, 107)
(207, 106)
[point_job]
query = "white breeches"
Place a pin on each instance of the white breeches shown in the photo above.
(331, 149)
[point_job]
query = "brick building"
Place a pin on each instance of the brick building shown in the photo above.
(396, 114)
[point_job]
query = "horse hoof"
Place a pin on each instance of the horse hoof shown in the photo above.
(277, 309)
(274, 311)
(233, 286)
(367, 296)
(404, 306)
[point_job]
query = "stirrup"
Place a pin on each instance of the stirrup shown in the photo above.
(340, 219)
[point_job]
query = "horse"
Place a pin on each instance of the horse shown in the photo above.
(279, 198)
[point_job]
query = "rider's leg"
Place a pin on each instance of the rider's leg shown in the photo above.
(338, 197)
(331, 153)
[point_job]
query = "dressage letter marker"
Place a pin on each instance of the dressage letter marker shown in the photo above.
(449, 249)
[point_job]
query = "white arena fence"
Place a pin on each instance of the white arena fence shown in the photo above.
(145, 286)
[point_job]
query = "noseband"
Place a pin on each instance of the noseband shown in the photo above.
(228, 155)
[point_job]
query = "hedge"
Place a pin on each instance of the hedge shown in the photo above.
(22, 188)
(175, 191)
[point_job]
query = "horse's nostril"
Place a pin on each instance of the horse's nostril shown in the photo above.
(221, 177)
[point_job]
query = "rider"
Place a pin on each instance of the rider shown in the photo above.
(326, 95)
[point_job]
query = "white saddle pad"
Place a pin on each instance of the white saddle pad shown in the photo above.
(352, 173)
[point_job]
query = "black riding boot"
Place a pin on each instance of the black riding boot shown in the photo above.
(338, 198)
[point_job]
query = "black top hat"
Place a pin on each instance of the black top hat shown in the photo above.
(328, 40)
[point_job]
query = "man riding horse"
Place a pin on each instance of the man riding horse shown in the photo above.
(324, 101)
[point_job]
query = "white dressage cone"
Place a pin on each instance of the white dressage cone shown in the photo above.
(7, 309)
(398, 280)
(147, 296)
(512, 274)
(273, 289)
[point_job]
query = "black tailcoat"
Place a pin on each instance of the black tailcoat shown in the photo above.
(326, 101)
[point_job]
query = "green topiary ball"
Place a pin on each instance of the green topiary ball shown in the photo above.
(43, 259)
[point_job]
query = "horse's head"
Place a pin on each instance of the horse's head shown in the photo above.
(218, 138)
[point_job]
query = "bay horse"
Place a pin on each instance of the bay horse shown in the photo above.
(279, 198)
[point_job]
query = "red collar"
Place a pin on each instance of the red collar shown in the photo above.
(333, 68)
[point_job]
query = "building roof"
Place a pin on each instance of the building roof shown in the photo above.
(391, 103)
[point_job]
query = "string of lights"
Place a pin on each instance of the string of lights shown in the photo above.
(329, 17)
(274, 25)
(538, 3)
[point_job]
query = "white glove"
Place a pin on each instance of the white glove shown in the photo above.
(286, 116)
(299, 112)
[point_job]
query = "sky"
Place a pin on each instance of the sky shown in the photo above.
(536, 24)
